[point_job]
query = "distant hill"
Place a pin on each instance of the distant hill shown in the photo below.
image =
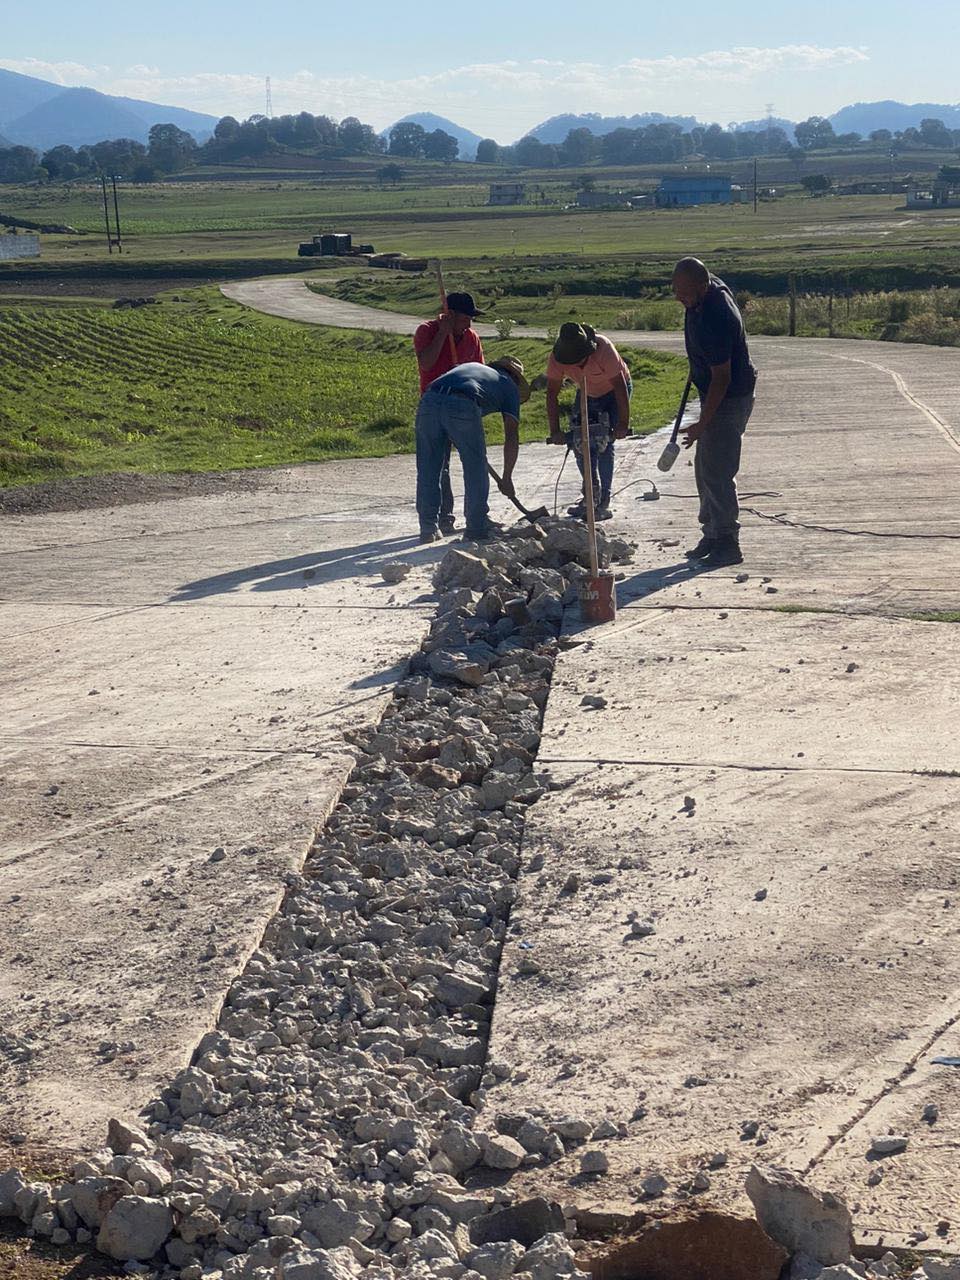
(198, 123)
(75, 117)
(427, 120)
(864, 117)
(38, 114)
(557, 127)
(20, 94)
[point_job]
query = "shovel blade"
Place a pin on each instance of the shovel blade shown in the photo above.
(669, 456)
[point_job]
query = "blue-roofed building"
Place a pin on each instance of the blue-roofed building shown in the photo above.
(695, 188)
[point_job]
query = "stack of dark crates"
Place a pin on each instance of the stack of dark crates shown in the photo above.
(332, 244)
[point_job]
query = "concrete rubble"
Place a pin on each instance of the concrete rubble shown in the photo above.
(338, 1123)
(325, 1125)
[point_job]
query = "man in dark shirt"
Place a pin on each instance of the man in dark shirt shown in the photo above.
(721, 370)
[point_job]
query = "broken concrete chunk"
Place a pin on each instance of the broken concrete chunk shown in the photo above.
(549, 1259)
(395, 571)
(572, 1130)
(93, 1198)
(496, 1261)
(461, 569)
(888, 1144)
(500, 1152)
(122, 1136)
(526, 1222)
(334, 1224)
(594, 1161)
(467, 664)
(135, 1228)
(12, 1182)
(800, 1217)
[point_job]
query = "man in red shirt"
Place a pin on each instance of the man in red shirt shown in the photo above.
(431, 342)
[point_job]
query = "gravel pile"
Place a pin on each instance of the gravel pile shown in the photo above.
(325, 1127)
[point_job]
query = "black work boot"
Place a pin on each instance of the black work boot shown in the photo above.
(702, 549)
(447, 524)
(725, 551)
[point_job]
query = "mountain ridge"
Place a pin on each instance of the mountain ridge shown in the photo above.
(80, 116)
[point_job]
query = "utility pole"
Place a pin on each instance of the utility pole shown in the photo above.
(116, 210)
(755, 194)
(106, 213)
(269, 100)
(792, 285)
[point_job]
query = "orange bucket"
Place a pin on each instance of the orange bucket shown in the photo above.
(598, 598)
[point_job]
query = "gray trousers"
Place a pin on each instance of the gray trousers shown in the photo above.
(715, 466)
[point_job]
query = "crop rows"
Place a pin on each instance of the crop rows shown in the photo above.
(164, 389)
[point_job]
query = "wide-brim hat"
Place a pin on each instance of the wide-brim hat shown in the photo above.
(463, 304)
(574, 343)
(511, 366)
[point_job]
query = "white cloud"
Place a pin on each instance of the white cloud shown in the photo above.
(499, 99)
(65, 73)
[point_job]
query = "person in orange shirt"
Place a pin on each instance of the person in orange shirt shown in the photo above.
(431, 342)
(580, 352)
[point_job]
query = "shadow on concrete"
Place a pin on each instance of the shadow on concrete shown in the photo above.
(650, 581)
(311, 568)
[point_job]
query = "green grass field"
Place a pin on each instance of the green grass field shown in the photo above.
(549, 297)
(207, 385)
(176, 222)
(198, 383)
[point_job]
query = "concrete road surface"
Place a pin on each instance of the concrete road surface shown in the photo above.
(774, 783)
(177, 680)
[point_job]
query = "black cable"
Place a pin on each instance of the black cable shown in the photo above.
(853, 533)
(556, 487)
(780, 518)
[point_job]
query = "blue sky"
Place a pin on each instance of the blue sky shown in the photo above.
(504, 66)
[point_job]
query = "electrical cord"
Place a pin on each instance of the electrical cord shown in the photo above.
(781, 518)
(853, 533)
(556, 487)
(655, 495)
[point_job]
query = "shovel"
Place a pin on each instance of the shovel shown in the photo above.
(671, 451)
(533, 516)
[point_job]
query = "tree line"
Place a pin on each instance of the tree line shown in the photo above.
(667, 143)
(170, 149)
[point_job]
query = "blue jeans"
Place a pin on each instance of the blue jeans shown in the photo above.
(601, 462)
(446, 489)
(443, 420)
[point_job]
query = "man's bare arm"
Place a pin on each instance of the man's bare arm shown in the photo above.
(719, 383)
(429, 356)
(511, 449)
(623, 407)
(553, 410)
